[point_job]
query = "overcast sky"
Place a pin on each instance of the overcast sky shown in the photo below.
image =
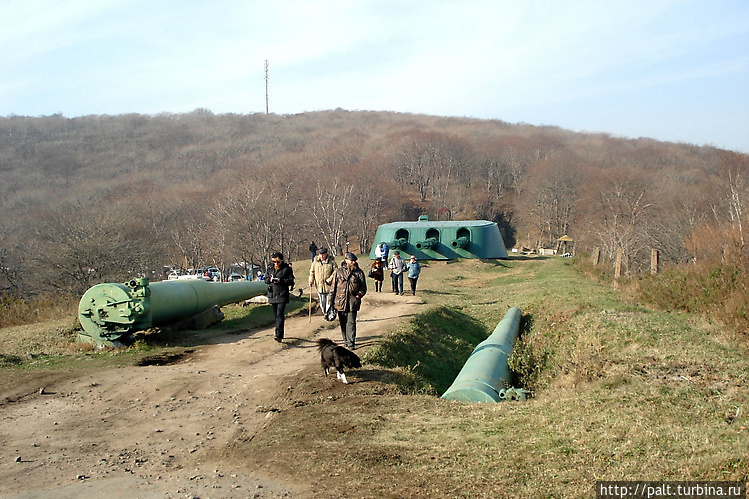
(675, 70)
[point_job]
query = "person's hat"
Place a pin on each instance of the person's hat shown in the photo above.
(322, 251)
(350, 256)
(413, 257)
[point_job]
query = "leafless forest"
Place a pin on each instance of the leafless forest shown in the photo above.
(102, 198)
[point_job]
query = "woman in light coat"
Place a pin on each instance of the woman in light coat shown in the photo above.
(321, 277)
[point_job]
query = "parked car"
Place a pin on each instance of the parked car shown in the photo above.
(195, 276)
(235, 277)
(213, 274)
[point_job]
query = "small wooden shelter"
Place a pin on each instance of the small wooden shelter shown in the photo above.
(562, 243)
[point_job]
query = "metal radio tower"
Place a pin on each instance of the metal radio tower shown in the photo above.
(266, 86)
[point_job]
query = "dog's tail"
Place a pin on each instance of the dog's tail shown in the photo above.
(324, 342)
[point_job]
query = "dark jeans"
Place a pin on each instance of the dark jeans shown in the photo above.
(348, 328)
(397, 282)
(279, 311)
(413, 284)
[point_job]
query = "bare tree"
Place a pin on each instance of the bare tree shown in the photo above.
(220, 233)
(85, 248)
(252, 220)
(418, 165)
(625, 208)
(331, 212)
(367, 209)
(736, 171)
(189, 235)
(555, 194)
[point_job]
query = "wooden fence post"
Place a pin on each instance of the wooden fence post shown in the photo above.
(596, 255)
(654, 261)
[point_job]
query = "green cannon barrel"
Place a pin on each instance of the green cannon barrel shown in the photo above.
(399, 243)
(486, 373)
(461, 242)
(429, 243)
(110, 312)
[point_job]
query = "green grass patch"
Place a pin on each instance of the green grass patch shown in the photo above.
(621, 390)
(432, 346)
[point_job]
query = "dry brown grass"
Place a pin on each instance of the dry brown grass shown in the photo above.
(17, 312)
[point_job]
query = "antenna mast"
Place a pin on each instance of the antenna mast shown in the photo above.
(266, 86)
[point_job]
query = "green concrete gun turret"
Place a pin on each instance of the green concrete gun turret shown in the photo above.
(442, 240)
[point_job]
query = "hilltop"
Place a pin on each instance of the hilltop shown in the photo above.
(102, 198)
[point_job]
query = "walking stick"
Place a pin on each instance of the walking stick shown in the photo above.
(310, 303)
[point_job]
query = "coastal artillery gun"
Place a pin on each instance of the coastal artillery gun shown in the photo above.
(428, 243)
(111, 312)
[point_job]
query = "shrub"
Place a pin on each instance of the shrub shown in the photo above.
(17, 312)
(719, 292)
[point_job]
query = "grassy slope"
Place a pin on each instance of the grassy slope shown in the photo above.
(627, 393)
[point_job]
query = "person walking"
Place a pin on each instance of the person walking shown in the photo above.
(312, 250)
(413, 269)
(377, 272)
(321, 275)
(397, 265)
(279, 280)
(349, 287)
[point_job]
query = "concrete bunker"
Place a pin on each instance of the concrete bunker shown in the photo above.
(442, 240)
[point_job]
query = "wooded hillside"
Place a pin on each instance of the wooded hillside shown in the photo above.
(101, 198)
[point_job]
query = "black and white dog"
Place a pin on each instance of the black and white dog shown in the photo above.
(332, 355)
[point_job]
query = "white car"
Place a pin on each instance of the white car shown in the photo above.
(193, 277)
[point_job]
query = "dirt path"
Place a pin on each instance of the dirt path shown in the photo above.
(160, 430)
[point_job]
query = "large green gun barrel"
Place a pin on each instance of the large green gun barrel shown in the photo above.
(429, 243)
(399, 243)
(461, 242)
(111, 312)
(486, 375)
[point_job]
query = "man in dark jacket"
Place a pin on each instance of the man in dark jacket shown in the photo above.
(349, 287)
(279, 279)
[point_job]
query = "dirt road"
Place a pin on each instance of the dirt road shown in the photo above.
(161, 430)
